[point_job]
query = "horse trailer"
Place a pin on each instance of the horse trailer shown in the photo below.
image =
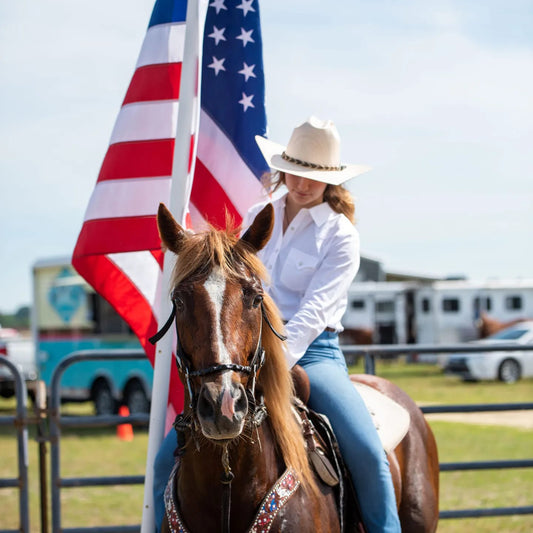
(437, 312)
(68, 316)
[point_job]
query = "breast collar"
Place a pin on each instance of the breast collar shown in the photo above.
(271, 505)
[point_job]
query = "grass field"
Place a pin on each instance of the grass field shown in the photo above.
(99, 452)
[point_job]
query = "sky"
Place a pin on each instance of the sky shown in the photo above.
(435, 96)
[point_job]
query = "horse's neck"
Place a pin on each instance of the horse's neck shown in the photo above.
(254, 464)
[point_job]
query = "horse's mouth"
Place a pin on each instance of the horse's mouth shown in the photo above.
(222, 433)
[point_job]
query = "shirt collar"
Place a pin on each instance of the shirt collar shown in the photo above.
(319, 213)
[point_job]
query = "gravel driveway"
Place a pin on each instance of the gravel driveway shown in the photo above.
(519, 419)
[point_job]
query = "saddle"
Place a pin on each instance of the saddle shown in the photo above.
(390, 419)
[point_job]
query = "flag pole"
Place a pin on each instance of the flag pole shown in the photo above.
(187, 125)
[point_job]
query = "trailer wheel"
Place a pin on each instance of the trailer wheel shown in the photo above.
(104, 403)
(136, 399)
(509, 371)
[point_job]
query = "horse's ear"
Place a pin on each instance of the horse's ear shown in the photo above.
(171, 233)
(259, 232)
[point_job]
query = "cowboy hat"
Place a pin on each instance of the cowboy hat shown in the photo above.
(313, 152)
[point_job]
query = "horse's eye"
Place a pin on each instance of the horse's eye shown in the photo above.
(178, 301)
(257, 300)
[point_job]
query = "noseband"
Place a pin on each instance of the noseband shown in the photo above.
(183, 361)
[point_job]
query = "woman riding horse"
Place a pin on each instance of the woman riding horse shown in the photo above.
(312, 258)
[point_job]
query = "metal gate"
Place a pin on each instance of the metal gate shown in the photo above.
(371, 353)
(19, 422)
(57, 422)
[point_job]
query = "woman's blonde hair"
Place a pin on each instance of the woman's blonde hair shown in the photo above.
(338, 198)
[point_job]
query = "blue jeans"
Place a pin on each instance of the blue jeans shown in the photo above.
(332, 394)
(163, 465)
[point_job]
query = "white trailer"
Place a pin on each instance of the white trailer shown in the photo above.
(438, 312)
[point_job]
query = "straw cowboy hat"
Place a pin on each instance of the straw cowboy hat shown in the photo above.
(313, 152)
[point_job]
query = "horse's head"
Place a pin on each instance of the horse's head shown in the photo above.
(217, 298)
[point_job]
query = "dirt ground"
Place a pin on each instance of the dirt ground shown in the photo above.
(519, 419)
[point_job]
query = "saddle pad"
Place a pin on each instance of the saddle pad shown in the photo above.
(390, 418)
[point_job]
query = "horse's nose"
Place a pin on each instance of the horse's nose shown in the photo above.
(222, 406)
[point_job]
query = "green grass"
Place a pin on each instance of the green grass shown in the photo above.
(100, 453)
(84, 453)
(427, 384)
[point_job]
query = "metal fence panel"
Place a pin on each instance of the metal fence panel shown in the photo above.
(20, 423)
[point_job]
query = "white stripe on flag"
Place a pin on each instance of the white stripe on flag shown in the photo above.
(127, 197)
(145, 121)
(197, 220)
(143, 271)
(163, 43)
(218, 154)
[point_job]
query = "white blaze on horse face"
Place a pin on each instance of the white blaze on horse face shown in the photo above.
(215, 285)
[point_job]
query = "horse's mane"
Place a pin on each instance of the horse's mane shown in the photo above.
(199, 252)
(277, 384)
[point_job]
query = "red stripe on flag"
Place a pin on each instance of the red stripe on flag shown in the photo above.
(191, 152)
(116, 235)
(159, 257)
(154, 82)
(138, 159)
(210, 198)
(109, 281)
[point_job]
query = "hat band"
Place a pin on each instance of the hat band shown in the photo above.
(309, 165)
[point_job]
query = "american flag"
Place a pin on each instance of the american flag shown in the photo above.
(118, 250)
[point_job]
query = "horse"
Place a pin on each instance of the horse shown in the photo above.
(363, 336)
(488, 326)
(242, 461)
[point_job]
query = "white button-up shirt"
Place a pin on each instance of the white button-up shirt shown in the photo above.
(311, 266)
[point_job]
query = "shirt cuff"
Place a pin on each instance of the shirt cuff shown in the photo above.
(289, 357)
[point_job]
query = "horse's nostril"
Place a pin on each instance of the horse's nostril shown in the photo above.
(241, 402)
(205, 406)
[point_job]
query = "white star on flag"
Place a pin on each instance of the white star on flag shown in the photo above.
(246, 5)
(245, 37)
(218, 5)
(246, 101)
(247, 71)
(218, 34)
(217, 65)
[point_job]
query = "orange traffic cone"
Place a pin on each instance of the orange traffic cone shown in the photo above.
(124, 431)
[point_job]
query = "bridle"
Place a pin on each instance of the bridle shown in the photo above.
(184, 364)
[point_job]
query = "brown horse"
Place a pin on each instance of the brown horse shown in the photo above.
(238, 436)
(363, 336)
(488, 326)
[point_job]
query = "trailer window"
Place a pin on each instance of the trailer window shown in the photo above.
(426, 305)
(482, 304)
(105, 319)
(358, 304)
(386, 306)
(513, 303)
(450, 305)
